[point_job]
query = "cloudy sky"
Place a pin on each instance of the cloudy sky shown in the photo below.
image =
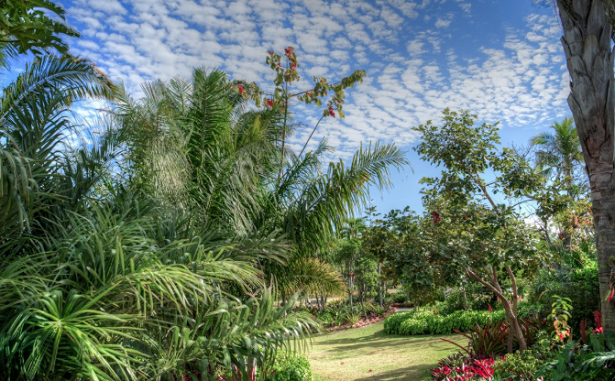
(500, 59)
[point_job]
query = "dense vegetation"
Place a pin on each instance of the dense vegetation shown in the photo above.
(157, 244)
(180, 237)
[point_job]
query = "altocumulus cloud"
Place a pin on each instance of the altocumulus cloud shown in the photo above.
(420, 56)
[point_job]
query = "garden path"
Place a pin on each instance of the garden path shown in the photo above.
(368, 354)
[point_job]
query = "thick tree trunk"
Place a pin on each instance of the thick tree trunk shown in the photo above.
(587, 45)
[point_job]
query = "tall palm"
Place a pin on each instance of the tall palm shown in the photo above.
(230, 160)
(559, 152)
(36, 176)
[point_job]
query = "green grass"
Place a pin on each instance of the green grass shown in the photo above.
(390, 357)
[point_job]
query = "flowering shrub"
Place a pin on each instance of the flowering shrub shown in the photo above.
(466, 369)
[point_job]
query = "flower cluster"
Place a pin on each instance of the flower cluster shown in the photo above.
(469, 369)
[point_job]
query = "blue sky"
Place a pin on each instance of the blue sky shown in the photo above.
(501, 59)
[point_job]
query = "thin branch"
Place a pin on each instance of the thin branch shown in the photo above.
(489, 286)
(312, 134)
(515, 295)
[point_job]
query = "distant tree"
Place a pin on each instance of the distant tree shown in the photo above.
(559, 153)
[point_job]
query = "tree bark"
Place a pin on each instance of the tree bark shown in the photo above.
(587, 45)
(380, 285)
(509, 308)
(465, 298)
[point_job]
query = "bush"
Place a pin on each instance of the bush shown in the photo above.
(292, 368)
(580, 285)
(517, 367)
(426, 322)
(577, 362)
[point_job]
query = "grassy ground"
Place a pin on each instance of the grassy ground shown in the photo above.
(389, 357)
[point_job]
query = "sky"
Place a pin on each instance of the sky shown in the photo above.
(500, 59)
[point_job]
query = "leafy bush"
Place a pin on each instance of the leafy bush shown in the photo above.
(519, 367)
(484, 342)
(324, 318)
(292, 368)
(576, 362)
(580, 285)
(424, 322)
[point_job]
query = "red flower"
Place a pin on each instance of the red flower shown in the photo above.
(598, 319)
(436, 217)
(370, 370)
(241, 90)
(331, 112)
(292, 65)
(269, 103)
(490, 309)
(352, 275)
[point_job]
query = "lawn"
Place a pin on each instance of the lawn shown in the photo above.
(350, 354)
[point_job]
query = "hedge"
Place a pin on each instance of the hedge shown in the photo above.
(426, 322)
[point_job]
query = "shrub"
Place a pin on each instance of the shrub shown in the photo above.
(580, 285)
(292, 368)
(427, 322)
(484, 342)
(518, 367)
(324, 318)
(464, 370)
(583, 362)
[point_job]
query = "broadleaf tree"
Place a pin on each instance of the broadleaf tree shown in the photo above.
(477, 230)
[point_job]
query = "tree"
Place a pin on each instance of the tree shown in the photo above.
(588, 33)
(559, 153)
(483, 237)
(25, 26)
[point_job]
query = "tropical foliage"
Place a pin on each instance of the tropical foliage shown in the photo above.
(162, 243)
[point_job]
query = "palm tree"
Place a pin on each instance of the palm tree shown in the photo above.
(37, 180)
(96, 272)
(559, 153)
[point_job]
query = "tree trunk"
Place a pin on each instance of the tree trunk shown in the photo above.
(509, 308)
(380, 285)
(587, 45)
(465, 299)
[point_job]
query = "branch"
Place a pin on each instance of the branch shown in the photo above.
(489, 286)
(514, 288)
(312, 134)
(485, 193)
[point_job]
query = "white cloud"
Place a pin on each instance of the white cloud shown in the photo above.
(414, 69)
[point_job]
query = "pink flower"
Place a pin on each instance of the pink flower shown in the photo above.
(490, 309)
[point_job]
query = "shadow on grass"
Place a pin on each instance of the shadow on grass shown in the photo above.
(414, 373)
(381, 340)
